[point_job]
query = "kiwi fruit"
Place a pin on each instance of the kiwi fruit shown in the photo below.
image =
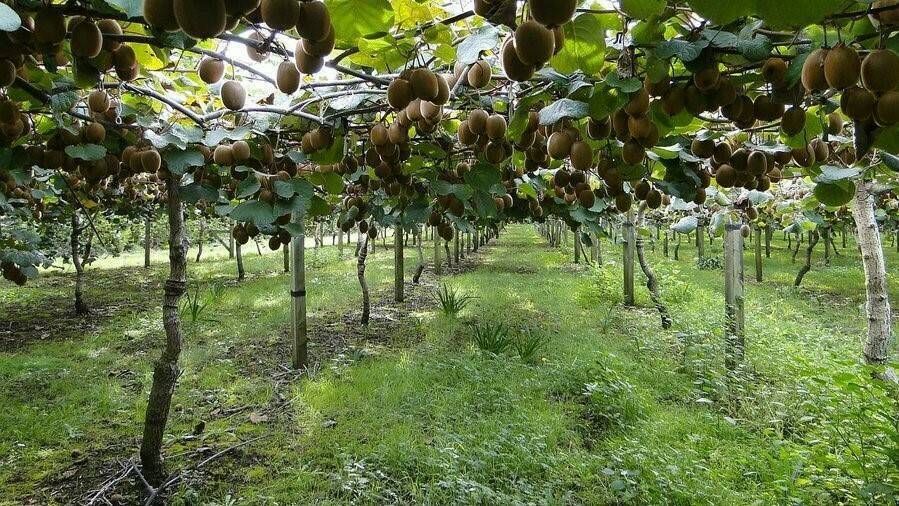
(857, 103)
(110, 27)
(280, 14)
(98, 101)
(638, 104)
(597, 130)
(496, 127)
(201, 19)
(479, 74)
(654, 199)
(257, 52)
(821, 149)
(623, 202)
(887, 110)
(239, 8)
(813, 77)
(793, 120)
(757, 163)
(842, 67)
(288, 77)
(766, 109)
(880, 71)
(581, 156)
(7, 73)
(398, 133)
(234, 96)
(703, 148)
(834, 123)
(633, 153)
(673, 100)
(424, 83)
(514, 68)
(399, 93)
(804, 156)
(553, 12)
(306, 63)
(314, 21)
(322, 47)
(774, 70)
(722, 153)
(87, 40)
(559, 145)
(413, 110)
(534, 43)
(465, 135)
(151, 161)
(49, 26)
(726, 176)
(477, 121)
(558, 39)
(587, 198)
(888, 17)
(639, 127)
(94, 133)
(160, 14)
(379, 135)
(707, 78)
(240, 150)
(211, 70)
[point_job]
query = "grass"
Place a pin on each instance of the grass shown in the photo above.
(617, 410)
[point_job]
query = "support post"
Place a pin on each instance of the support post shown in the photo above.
(734, 338)
(700, 242)
(398, 268)
(299, 355)
(438, 267)
(148, 222)
(757, 239)
(629, 246)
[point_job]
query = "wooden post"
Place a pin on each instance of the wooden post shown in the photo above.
(733, 296)
(147, 241)
(438, 268)
(340, 243)
(700, 242)
(665, 244)
(287, 258)
(758, 254)
(241, 274)
(577, 247)
(628, 245)
(398, 268)
(456, 249)
(299, 355)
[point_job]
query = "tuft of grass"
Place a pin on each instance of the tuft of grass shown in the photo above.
(451, 301)
(491, 337)
(528, 345)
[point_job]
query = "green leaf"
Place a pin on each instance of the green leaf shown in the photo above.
(329, 181)
(63, 102)
(721, 11)
(195, 192)
(835, 194)
(643, 9)
(796, 13)
(353, 19)
(686, 51)
(831, 174)
(179, 161)
(891, 161)
(254, 211)
(9, 19)
(482, 39)
(627, 85)
(86, 152)
(483, 177)
(519, 121)
(563, 108)
(133, 8)
(249, 186)
(585, 46)
(605, 101)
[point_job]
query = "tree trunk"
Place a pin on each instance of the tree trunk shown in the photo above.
(652, 283)
(577, 247)
(231, 246)
(677, 247)
(166, 370)
(200, 240)
(340, 243)
(297, 247)
(241, 274)
(75, 243)
(628, 250)
(399, 274)
(812, 241)
(826, 234)
(758, 254)
(796, 248)
(769, 234)
(148, 225)
(287, 257)
(700, 242)
(665, 244)
(734, 336)
(360, 273)
(877, 305)
(421, 256)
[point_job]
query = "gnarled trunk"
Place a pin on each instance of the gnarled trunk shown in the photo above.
(812, 241)
(877, 306)
(360, 273)
(75, 243)
(166, 370)
(652, 283)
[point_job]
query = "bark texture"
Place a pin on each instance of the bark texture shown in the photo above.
(360, 273)
(812, 241)
(166, 370)
(652, 283)
(75, 243)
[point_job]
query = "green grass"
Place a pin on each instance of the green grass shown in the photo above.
(611, 408)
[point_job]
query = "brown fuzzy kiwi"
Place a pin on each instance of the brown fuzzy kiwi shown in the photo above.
(821, 149)
(587, 198)
(620, 125)
(94, 133)
(124, 58)
(223, 155)
(559, 145)
(98, 101)
(397, 133)
(258, 52)
(842, 67)
(201, 19)
(306, 63)
(553, 12)
(431, 112)
(160, 14)
(379, 135)
(413, 110)
(757, 163)
(465, 135)
(322, 47)
(766, 109)
(280, 14)
(495, 153)
(725, 93)
(241, 151)
(673, 100)
(151, 161)
(641, 189)
(399, 93)
(558, 39)
(722, 153)
(314, 21)
(633, 153)
(211, 70)
(288, 77)
(707, 78)
(654, 199)
(234, 96)
(49, 26)
(424, 84)
(703, 148)
(880, 71)
(534, 43)
(657, 88)
(443, 91)
(638, 104)
(599, 129)
(623, 202)
(695, 101)
(581, 155)
(774, 70)
(477, 121)
(514, 68)
(639, 127)
(496, 126)
(479, 74)
(887, 111)
(857, 103)
(804, 156)
(726, 176)
(793, 120)
(813, 77)
(7, 73)
(110, 27)
(87, 40)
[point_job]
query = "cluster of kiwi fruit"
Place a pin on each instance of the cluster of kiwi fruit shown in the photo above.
(572, 186)
(445, 228)
(418, 95)
(13, 122)
(477, 75)
(358, 214)
(744, 167)
(486, 132)
(536, 40)
(841, 68)
(632, 125)
(564, 142)
(317, 139)
(886, 18)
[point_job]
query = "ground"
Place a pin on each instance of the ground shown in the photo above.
(610, 409)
